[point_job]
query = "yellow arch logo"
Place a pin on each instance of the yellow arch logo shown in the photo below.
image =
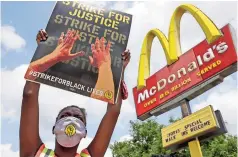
(171, 46)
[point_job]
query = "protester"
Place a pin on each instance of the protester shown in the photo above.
(70, 125)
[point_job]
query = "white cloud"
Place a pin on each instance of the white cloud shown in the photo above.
(10, 39)
(223, 98)
(99, 4)
(125, 138)
(6, 151)
(117, 5)
(7, 113)
(12, 83)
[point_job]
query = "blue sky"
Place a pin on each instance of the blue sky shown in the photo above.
(26, 18)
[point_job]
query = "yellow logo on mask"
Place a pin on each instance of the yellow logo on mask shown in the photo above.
(70, 130)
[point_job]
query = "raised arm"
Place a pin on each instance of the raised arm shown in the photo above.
(29, 123)
(100, 143)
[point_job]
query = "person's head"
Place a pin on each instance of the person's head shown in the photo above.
(70, 126)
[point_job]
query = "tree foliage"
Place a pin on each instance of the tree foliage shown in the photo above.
(147, 141)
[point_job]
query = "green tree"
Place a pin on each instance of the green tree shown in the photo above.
(221, 146)
(146, 140)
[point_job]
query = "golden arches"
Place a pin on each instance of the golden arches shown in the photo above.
(172, 48)
(209, 28)
(144, 64)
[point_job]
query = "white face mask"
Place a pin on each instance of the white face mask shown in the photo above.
(69, 131)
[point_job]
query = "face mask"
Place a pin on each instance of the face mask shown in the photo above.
(69, 131)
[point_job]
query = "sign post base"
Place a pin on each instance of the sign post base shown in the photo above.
(194, 146)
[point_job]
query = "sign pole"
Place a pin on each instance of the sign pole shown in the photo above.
(194, 145)
(185, 108)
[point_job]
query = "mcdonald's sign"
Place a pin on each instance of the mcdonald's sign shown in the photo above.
(186, 75)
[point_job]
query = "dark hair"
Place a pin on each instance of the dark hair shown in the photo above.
(81, 109)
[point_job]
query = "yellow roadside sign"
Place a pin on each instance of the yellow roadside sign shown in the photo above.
(192, 126)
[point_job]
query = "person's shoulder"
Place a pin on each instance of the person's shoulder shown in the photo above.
(84, 153)
(43, 151)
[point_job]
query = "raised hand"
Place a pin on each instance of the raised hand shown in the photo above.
(41, 36)
(61, 53)
(126, 57)
(101, 53)
(65, 45)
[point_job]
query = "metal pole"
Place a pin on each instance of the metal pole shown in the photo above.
(194, 145)
(185, 108)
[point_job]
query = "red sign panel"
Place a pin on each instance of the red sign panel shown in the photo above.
(193, 67)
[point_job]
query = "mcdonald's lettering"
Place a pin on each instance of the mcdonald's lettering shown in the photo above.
(206, 57)
(146, 94)
(216, 55)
